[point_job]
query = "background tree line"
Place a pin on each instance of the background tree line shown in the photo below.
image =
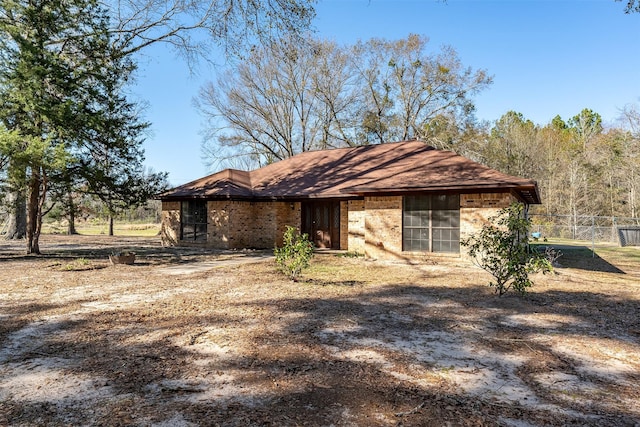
(283, 99)
(582, 168)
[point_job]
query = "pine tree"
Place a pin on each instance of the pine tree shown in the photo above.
(110, 157)
(60, 80)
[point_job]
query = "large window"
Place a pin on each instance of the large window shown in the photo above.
(194, 220)
(431, 223)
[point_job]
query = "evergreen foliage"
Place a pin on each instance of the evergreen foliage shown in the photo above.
(502, 249)
(61, 99)
(295, 253)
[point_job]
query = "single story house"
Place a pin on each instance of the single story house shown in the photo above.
(388, 201)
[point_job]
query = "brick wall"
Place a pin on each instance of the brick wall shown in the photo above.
(475, 211)
(170, 229)
(372, 226)
(383, 223)
(486, 200)
(218, 232)
(355, 226)
(235, 224)
(383, 227)
(267, 223)
(344, 225)
(288, 214)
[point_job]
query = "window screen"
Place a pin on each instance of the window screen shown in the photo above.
(431, 223)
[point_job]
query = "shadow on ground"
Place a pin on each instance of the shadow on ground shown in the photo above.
(581, 257)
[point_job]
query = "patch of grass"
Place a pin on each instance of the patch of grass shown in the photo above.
(606, 257)
(124, 229)
(629, 253)
(341, 270)
(95, 228)
(79, 264)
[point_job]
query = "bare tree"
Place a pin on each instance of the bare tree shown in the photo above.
(336, 86)
(630, 119)
(289, 98)
(281, 101)
(406, 87)
(632, 6)
(196, 27)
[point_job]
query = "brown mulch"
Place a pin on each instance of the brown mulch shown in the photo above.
(356, 342)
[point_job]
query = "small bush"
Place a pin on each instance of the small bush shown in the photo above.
(552, 255)
(502, 249)
(295, 253)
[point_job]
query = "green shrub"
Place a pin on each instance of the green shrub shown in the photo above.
(502, 248)
(295, 253)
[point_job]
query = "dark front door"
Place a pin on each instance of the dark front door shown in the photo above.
(321, 221)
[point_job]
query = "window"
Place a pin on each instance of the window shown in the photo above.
(193, 223)
(431, 223)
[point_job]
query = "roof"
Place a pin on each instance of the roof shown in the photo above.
(391, 168)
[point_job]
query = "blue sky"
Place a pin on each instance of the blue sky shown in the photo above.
(547, 57)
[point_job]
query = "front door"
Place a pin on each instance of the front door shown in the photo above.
(321, 221)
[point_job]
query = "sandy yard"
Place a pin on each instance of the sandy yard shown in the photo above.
(186, 337)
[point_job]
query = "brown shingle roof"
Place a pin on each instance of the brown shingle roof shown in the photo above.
(399, 167)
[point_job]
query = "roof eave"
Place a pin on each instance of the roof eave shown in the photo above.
(533, 196)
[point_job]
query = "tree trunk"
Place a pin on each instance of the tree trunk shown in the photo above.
(32, 213)
(37, 194)
(110, 224)
(632, 194)
(71, 208)
(17, 227)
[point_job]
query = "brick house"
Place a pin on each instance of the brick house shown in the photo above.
(388, 201)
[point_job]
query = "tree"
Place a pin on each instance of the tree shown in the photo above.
(109, 160)
(287, 99)
(190, 27)
(283, 100)
(196, 28)
(586, 126)
(60, 82)
(11, 192)
(405, 88)
(511, 146)
(552, 142)
(50, 64)
(630, 169)
(502, 249)
(295, 253)
(335, 84)
(632, 6)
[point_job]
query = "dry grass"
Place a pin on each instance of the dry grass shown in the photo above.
(357, 342)
(101, 228)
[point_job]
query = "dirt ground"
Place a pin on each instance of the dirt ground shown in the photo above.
(185, 337)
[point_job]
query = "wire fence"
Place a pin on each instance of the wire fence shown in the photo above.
(605, 229)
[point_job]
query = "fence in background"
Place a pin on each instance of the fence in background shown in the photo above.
(618, 230)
